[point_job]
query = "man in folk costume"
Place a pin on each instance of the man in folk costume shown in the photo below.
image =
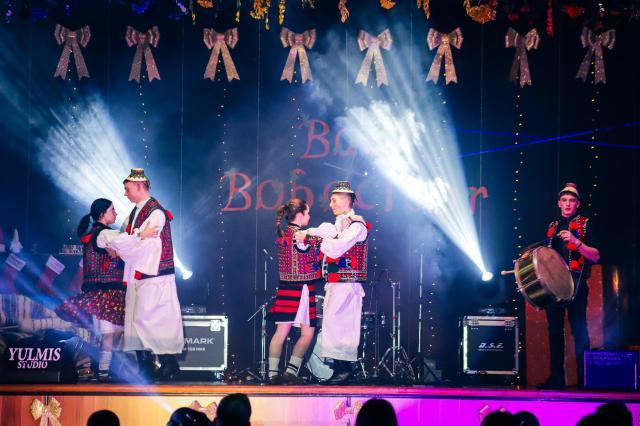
(572, 237)
(153, 320)
(345, 267)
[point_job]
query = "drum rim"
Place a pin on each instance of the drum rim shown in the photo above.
(535, 265)
(534, 261)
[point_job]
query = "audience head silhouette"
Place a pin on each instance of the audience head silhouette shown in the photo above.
(103, 418)
(233, 410)
(377, 412)
(188, 417)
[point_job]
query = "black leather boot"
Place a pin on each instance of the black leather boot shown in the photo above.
(169, 368)
(341, 373)
(145, 366)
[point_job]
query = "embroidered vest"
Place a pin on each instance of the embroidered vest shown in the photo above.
(295, 264)
(166, 258)
(576, 261)
(351, 266)
(97, 265)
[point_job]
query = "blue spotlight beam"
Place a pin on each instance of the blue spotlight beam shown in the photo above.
(568, 138)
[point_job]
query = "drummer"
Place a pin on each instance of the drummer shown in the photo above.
(572, 237)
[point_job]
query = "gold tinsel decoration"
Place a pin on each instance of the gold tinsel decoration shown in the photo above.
(261, 11)
(238, 6)
(344, 12)
(207, 4)
(281, 10)
(481, 13)
(424, 4)
(387, 4)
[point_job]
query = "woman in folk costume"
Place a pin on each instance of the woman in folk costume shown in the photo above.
(100, 305)
(295, 303)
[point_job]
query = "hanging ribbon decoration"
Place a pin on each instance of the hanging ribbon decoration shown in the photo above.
(443, 42)
(343, 410)
(595, 43)
(373, 45)
(520, 65)
(297, 42)
(72, 41)
(143, 41)
(217, 43)
(209, 410)
(48, 414)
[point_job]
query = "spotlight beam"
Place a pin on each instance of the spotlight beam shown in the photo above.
(403, 130)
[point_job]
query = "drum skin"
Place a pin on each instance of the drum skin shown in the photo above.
(543, 277)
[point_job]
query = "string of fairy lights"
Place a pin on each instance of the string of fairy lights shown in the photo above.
(519, 120)
(72, 99)
(594, 152)
(431, 324)
(223, 167)
(144, 118)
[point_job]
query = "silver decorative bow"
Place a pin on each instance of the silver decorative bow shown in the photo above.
(217, 43)
(72, 41)
(595, 43)
(373, 45)
(443, 42)
(143, 41)
(297, 43)
(520, 65)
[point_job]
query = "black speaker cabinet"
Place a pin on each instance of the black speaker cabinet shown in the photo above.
(490, 345)
(205, 343)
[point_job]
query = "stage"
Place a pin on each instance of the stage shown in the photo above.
(304, 405)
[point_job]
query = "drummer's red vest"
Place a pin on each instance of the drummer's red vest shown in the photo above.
(295, 264)
(576, 261)
(351, 266)
(167, 266)
(98, 267)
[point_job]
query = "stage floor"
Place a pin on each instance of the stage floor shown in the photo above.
(305, 405)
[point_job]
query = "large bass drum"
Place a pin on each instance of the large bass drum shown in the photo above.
(543, 277)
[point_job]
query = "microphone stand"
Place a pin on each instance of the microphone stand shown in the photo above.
(261, 376)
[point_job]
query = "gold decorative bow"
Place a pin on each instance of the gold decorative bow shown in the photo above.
(143, 40)
(217, 43)
(595, 43)
(48, 414)
(297, 42)
(373, 45)
(72, 45)
(343, 409)
(520, 62)
(209, 410)
(443, 42)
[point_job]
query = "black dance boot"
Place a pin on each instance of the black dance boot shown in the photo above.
(145, 366)
(169, 368)
(341, 372)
